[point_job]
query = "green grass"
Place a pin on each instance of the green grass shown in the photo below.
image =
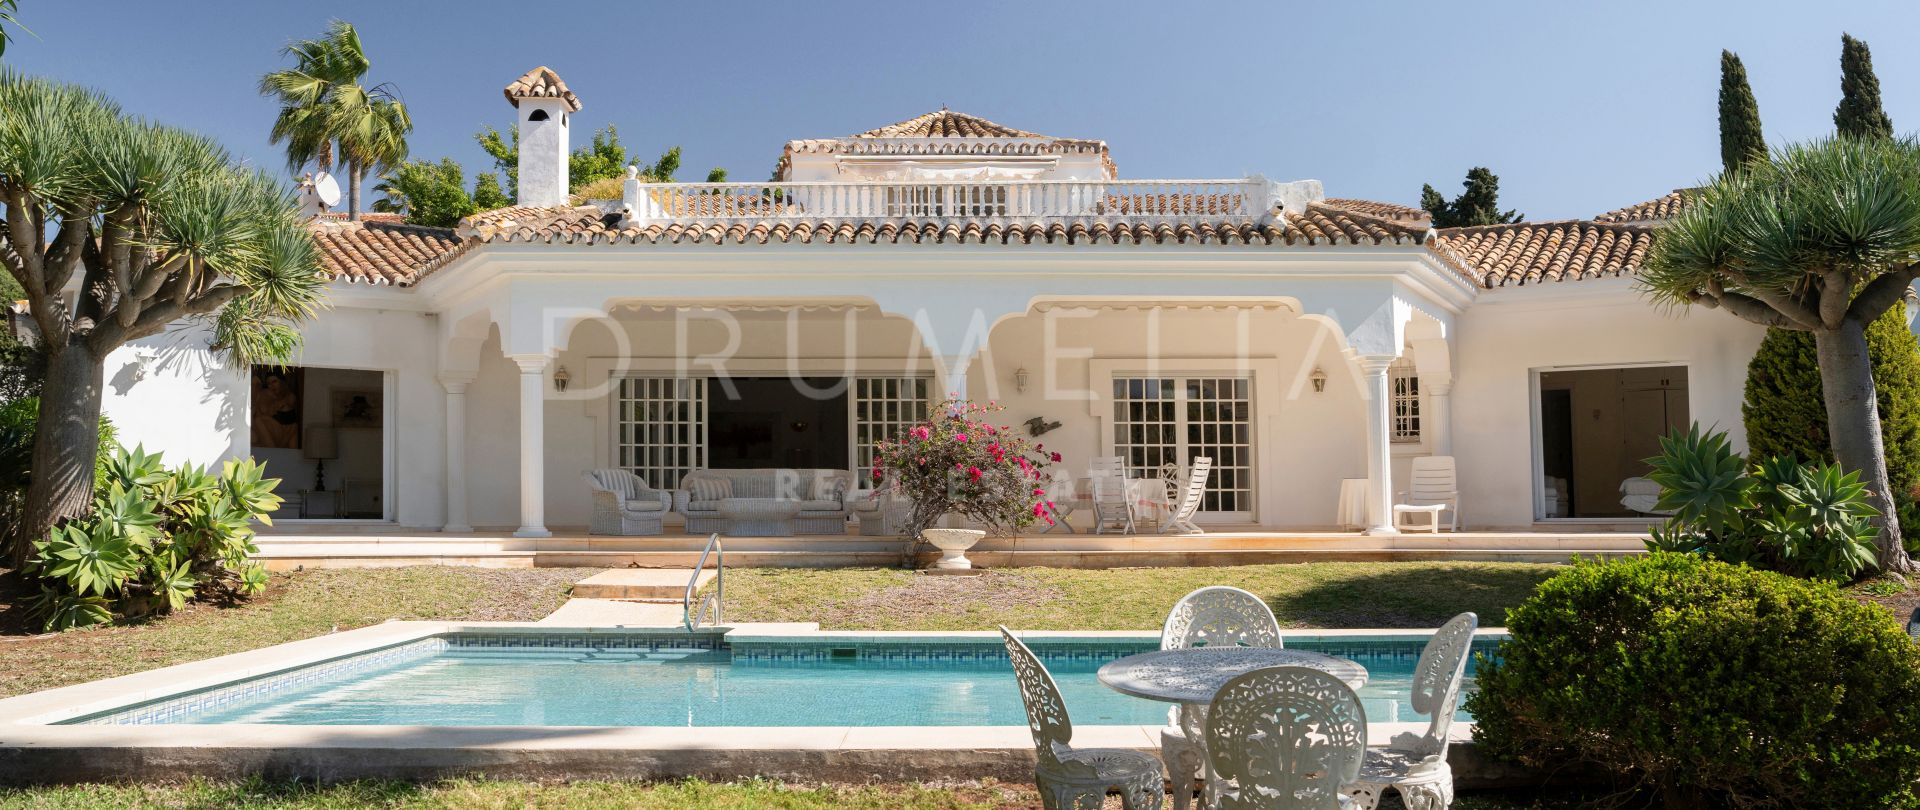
(295, 606)
(689, 795)
(1307, 595)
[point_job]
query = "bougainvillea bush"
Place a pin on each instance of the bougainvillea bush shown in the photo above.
(960, 463)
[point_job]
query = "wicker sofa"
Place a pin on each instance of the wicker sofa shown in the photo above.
(822, 495)
(623, 504)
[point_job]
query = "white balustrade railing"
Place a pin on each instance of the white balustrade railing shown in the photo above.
(1042, 200)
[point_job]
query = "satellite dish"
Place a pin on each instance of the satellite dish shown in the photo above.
(327, 189)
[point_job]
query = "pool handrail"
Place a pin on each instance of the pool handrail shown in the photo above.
(689, 615)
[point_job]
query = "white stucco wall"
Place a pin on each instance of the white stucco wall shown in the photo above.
(1510, 334)
(171, 394)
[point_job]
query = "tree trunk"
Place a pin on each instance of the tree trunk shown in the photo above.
(353, 191)
(1853, 424)
(66, 443)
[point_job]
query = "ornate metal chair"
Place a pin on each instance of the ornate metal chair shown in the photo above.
(1416, 764)
(1069, 778)
(1283, 737)
(1215, 616)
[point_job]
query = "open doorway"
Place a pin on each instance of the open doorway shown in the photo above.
(781, 422)
(1597, 428)
(322, 432)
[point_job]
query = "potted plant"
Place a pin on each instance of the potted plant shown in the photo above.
(958, 463)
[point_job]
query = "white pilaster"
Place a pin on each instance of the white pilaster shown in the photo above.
(533, 396)
(456, 387)
(1373, 369)
(1437, 422)
(953, 373)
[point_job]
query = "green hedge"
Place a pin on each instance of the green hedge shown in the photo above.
(1717, 684)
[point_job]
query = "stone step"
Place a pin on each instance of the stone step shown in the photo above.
(640, 583)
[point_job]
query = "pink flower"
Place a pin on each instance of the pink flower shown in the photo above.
(876, 473)
(959, 437)
(1056, 458)
(973, 473)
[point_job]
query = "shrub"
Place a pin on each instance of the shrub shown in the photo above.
(1785, 415)
(1810, 521)
(157, 539)
(1717, 684)
(19, 420)
(958, 463)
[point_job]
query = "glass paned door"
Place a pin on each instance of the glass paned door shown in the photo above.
(661, 425)
(884, 407)
(1157, 420)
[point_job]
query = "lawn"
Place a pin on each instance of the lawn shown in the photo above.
(640, 796)
(295, 606)
(1306, 595)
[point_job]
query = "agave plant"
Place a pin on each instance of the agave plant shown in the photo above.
(1808, 520)
(90, 556)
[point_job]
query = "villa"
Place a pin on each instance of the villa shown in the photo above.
(1313, 346)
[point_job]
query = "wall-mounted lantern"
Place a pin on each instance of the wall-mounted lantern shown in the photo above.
(561, 378)
(1020, 378)
(1319, 378)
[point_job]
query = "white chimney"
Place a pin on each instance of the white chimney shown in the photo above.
(544, 107)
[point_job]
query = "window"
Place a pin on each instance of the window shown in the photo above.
(1157, 420)
(662, 424)
(883, 408)
(1403, 384)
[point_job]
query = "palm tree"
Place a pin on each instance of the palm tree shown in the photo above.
(328, 116)
(1821, 238)
(118, 228)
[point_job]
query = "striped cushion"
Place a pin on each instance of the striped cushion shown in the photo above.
(709, 489)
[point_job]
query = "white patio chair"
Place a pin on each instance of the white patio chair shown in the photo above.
(1283, 738)
(1070, 778)
(1180, 519)
(1113, 506)
(1434, 489)
(1060, 495)
(1215, 616)
(624, 505)
(1416, 764)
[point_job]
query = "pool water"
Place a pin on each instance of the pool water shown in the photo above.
(588, 687)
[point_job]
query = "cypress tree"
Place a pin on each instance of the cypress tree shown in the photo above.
(1784, 411)
(1859, 114)
(1740, 139)
(1478, 203)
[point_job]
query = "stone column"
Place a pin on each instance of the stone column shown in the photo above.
(1373, 368)
(1437, 421)
(456, 453)
(953, 374)
(533, 395)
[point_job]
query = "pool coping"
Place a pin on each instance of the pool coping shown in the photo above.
(33, 750)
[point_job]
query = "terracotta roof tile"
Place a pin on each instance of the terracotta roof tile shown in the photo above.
(1658, 209)
(945, 123)
(1536, 252)
(383, 252)
(541, 82)
(1384, 210)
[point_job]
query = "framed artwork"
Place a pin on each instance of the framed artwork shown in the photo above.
(276, 407)
(356, 408)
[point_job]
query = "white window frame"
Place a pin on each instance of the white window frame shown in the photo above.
(911, 395)
(648, 456)
(1404, 409)
(1181, 428)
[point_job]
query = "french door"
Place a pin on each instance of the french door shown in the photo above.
(884, 408)
(661, 425)
(1157, 420)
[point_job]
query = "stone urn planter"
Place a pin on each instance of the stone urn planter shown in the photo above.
(953, 545)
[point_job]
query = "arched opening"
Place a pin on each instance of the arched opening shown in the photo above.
(537, 115)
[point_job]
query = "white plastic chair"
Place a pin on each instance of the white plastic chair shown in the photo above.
(1214, 616)
(1416, 764)
(1180, 519)
(1060, 497)
(1284, 738)
(1434, 489)
(1070, 778)
(1112, 504)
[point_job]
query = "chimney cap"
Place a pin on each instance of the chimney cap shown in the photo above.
(541, 82)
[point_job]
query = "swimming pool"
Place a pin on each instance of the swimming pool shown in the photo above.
(664, 678)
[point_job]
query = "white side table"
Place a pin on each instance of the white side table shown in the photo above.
(1352, 512)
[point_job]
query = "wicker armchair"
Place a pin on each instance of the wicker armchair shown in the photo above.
(623, 504)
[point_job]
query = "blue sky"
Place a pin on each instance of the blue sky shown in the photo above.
(1578, 107)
